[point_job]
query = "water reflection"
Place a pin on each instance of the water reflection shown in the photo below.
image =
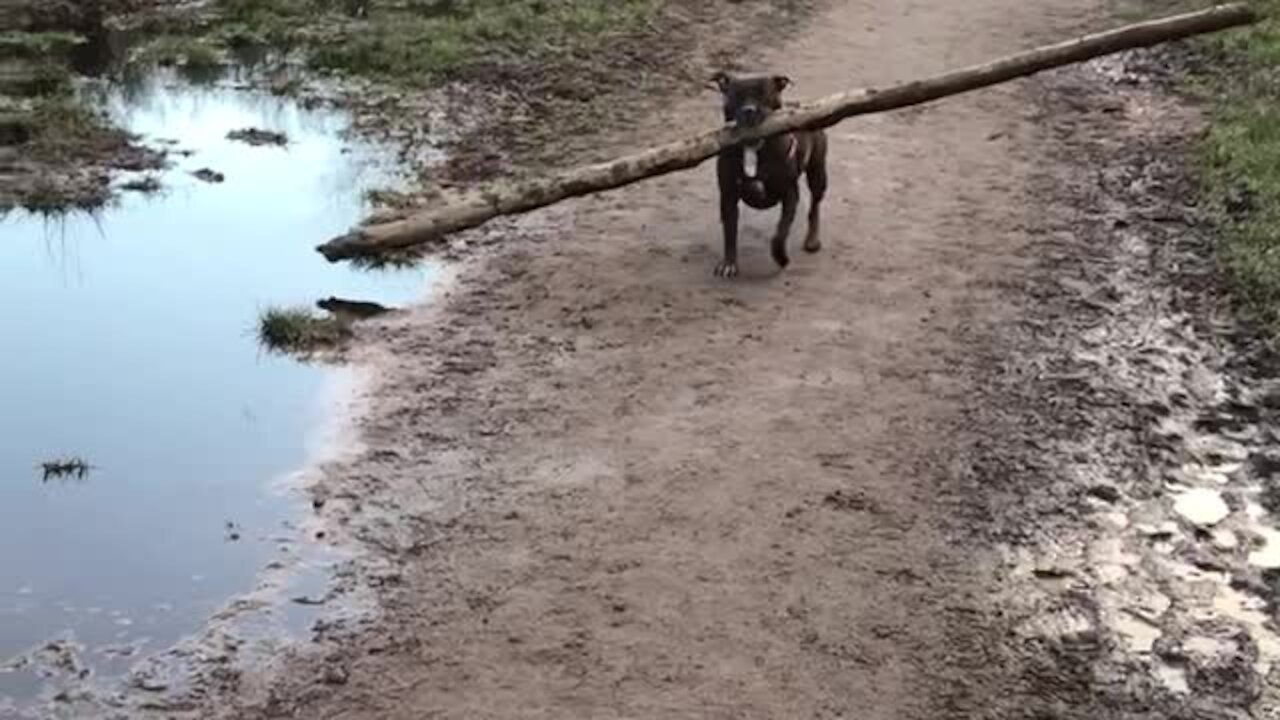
(129, 343)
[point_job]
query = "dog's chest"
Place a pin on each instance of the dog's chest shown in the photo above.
(751, 162)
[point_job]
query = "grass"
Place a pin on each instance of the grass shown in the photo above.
(65, 128)
(33, 78)
(51, 199)
(180, 50)
(37, 45)
(424, 40)
(387, 261)
(36, 64)
(298, 330)
(1240, 159)
(57, 134)
(41, 116)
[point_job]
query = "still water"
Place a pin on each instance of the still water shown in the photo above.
(128, 340)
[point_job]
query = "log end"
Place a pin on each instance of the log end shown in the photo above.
(343, 247)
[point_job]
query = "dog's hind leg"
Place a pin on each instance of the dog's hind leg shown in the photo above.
(790, 202)
(816, 176)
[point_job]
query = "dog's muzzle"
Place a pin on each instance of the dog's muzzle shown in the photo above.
(749, 116)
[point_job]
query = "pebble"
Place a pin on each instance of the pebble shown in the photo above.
(335, 675)
(1225, 540)
(1201, 507)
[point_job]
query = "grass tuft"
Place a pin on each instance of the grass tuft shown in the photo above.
(387, 261)
(297, 330)
(65, 468)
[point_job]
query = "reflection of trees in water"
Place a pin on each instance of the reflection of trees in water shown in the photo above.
(181, 104)
(363, 166)
(60, 233)
(160, 102)
(161, 96)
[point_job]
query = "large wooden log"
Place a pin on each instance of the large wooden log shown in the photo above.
(502, 198)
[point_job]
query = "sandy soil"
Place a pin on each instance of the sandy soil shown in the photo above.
(596, 481)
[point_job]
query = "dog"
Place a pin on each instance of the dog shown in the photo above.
(764, 173)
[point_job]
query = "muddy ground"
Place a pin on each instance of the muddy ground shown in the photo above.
(999, 450)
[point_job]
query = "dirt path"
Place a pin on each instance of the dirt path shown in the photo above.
(599, 482)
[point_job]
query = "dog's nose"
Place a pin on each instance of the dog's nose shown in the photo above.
(750, 114)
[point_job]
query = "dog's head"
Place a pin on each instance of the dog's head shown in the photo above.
(749, 100)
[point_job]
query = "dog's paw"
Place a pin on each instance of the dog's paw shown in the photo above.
(812, 245)
(781, 258)
(727, 270)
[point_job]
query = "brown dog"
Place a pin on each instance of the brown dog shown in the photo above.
(765, 173)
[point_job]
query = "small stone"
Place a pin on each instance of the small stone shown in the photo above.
(1106, 493)
(1201, 507)
(1225, 540)
(1052, 572)
(1268, 555)
(335, 675)
(1163, 531)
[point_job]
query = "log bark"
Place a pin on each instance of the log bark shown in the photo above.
(503, 198)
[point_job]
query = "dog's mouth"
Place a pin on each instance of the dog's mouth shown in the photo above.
(750, 116)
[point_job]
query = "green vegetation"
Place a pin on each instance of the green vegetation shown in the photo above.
(417, 40)
(186, 52)
(66, 129)
(298, 330)
(388, 261)
(24, 78)
(43, 120)
(1241, 158)
(37, 45)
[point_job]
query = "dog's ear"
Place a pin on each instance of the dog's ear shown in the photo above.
(720, 81)
(781, 82)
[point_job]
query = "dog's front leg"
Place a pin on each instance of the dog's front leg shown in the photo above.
(790, 202)
(728, 266)
(727, 177)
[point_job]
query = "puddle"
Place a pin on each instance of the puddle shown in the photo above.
(129, 342)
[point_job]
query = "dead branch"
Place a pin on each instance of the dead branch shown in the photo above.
(504, 198)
